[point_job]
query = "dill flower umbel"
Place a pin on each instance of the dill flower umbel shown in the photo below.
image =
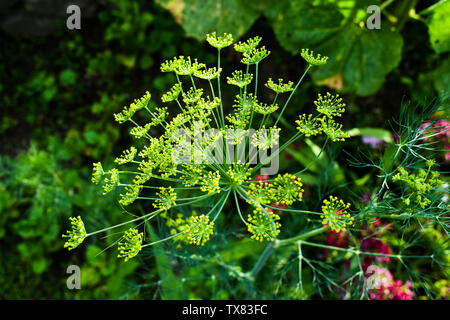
(333, 130)
(128, 156)
(130, 244)
(266, 139)
(419, 184)
(138, 104)
(240, 80)
(97, 173)
(335, 214)
(219, 42)
(247, 46)
(330, 105)
(112, 181)
(199, 229)
(308, 125)
(210, 182)
(76, 235)
(263, 225)
(280, 87)
(313, 60)
(166, 198)
(286, 189)
(255, 56)
(172, 94)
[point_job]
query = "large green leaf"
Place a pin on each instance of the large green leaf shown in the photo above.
(359, 58)
(439, 28)
(199, 17)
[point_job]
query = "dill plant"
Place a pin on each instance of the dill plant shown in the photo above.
(250, 123)
(177, 176)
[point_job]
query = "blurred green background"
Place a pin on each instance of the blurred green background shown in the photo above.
(60, 87)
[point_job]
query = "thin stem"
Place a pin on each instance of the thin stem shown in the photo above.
(299, 237)
(292, 93)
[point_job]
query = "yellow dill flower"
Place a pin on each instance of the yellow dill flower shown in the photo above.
(247, 46)
(219, 42)
(132, 193)
(308, 126)
(199, 229)
(263, 225)
(259, 193)
(210, 182)
(330, 105)
(172, 94)
(265, 109)
(192, 96)
(311, 59)
(333, 130)
(419, 184)
(239, 79)
(130, 244)
(181, 66)
(286, 189)
(128, 156)
(266, 138)
(208, 74)
(112, 181)
(97, 173)
(166, 198)
(239, 173)
(138, 104)
(280, 87)
(159, 116)
(76, 235)
(335, 214)
(139, 131)
(255, 56)
(191, 175)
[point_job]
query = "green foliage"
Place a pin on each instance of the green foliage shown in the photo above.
(439, 26)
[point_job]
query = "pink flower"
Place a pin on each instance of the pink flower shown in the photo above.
(383, 286)
(262, 178)
(443, 127)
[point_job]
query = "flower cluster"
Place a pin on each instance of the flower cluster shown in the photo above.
(219, 42)
(280, 87)
(138, 104)
(200, 228)
(240, 80)
(166, 198)
(130, 244)
(419, 185)
(311, 59)
(263, 225)
(329, 106)
(335, 214)
(76, 235)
